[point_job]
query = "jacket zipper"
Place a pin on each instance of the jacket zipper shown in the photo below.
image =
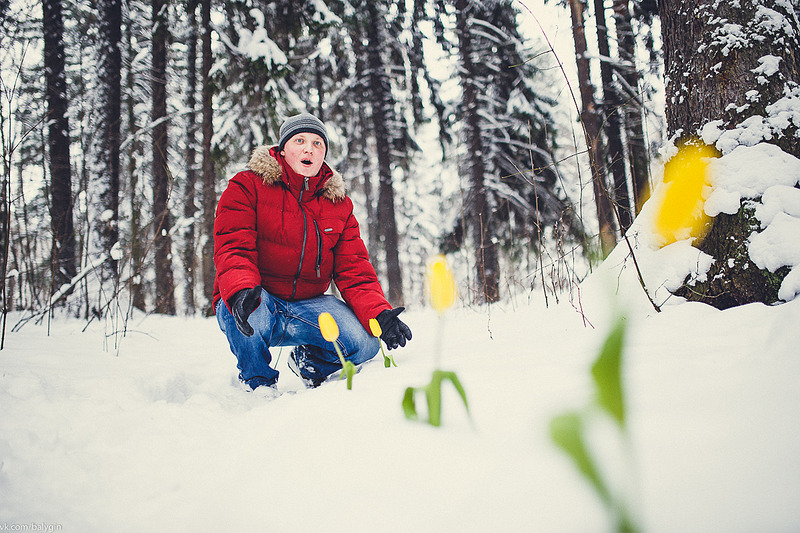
(319, 249)
(305, 236)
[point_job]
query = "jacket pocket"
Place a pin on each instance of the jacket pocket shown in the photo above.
(330, 231)
(318, 262)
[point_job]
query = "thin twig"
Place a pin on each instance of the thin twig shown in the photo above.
(588, 144)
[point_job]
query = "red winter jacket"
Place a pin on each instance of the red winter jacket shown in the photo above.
(292, 240)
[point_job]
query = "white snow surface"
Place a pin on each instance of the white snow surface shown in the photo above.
(157, 435)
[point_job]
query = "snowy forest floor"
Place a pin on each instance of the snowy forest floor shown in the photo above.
(158, 436)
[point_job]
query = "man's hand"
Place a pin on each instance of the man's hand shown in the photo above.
(394, 331)
(242, 304)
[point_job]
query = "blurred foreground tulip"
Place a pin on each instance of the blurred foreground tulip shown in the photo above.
(686, 179)
(442, 289)
(441, 284)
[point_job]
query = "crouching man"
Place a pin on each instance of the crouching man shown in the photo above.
(284, 229)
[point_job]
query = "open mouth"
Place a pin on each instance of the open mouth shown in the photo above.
(305, 161)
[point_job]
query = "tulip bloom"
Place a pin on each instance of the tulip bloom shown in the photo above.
(330, 332)
(328, 327)
(376, 330)
(441, 284)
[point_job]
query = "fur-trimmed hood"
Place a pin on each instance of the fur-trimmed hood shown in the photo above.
(266, 166)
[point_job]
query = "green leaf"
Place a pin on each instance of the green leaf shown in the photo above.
(607, 373)
(457, 384)
(409, 408)
(434, 394)
(388, 360)
(567, 431)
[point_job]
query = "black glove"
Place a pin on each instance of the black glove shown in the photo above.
(242, 304)
(394, 331)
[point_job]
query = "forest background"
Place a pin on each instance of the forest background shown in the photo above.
(466, 128)
(456, 125)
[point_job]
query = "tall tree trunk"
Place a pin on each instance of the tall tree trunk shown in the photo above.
(712, 78)
(209, 179)
(479, 216)
(189, 205)
(615, 155)
(110, 75)
(5, 232)
(708, 79)
(135, 153)
(383, 115)
(356, 141)
(633, 105)
(61, 202)
(162, 223)
(591, 124)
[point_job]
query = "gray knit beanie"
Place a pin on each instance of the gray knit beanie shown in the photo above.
(302, 123)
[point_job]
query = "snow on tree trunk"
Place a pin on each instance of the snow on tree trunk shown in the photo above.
(732, 79)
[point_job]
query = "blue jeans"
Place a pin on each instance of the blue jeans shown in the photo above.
(277, 322)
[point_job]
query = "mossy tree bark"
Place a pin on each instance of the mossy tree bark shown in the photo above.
(719, 67)
(736, 280)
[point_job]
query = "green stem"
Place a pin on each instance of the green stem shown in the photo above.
(437, 351)
(348, 368)
(388, 360)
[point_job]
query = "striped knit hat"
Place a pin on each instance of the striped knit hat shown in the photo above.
(302, 123)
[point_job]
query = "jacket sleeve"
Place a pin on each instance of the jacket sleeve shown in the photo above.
(355, 276)
(235, 254)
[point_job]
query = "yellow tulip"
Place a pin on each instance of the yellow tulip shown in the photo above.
(441, 284)
(328, 327)
(375, 328)
(681, 213)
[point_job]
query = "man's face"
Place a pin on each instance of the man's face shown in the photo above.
(305, 153)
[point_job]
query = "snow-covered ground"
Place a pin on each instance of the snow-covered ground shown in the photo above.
(160, 437)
